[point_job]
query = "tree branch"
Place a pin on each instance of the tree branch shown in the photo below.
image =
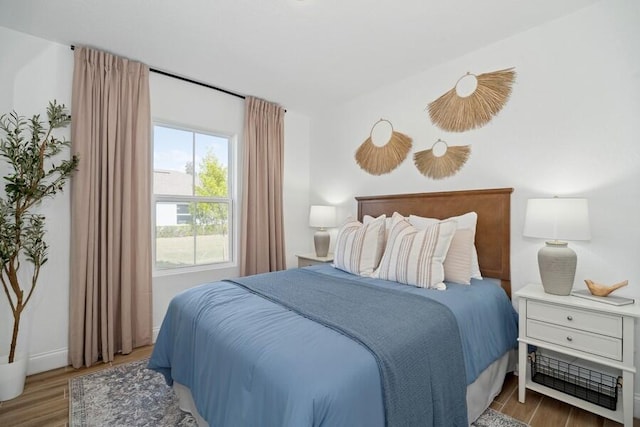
(6, 291)
(34, 281)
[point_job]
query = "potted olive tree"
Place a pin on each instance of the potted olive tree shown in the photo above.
(28, 148)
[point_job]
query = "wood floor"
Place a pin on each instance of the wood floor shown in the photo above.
(543, 411)
(45, 401)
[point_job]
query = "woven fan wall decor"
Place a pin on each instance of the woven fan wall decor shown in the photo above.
(378, 160)
(455, 112)
(444, 165)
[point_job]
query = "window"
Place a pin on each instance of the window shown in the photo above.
(192, 203)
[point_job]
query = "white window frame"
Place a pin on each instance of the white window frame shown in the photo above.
(231, 200)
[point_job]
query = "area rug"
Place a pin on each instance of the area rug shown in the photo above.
(125, 395)
(491, 418)
(131, 395)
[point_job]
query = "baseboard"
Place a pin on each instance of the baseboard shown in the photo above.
(59, 358)
(47, 361)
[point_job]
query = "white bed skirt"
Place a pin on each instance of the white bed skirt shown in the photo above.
(480, 393)
(488, 385)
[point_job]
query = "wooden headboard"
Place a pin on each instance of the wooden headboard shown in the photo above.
(493, 230)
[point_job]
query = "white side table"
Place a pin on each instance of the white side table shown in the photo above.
(311, 259)
(598, 333)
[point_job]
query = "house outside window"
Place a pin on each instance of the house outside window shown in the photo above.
(193, 204)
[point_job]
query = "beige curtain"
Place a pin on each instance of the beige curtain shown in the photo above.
(262, 247)
(110, 296)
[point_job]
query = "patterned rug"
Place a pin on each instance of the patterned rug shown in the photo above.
(491, 418)
(125, 395)
(132, 395)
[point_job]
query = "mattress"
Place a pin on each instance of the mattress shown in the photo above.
(264, 364)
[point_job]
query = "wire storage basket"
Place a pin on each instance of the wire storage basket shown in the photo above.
(593, 386)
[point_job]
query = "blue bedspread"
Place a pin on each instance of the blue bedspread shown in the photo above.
(415, 340)
(487, 321)
(264, 365)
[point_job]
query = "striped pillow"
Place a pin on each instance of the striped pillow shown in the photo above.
(415, 257)
(359, 247)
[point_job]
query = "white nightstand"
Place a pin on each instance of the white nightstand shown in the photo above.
(311, 259)
(586, 332)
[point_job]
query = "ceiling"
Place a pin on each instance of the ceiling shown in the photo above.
(303, 54)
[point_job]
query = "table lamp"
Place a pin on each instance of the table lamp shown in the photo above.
(322, 217)
(557, 219)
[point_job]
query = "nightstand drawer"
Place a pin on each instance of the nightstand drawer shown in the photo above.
(570, 317)
(575, 339)
(302, 262)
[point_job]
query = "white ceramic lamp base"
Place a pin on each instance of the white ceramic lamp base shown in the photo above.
(321, 240)
(557, 263)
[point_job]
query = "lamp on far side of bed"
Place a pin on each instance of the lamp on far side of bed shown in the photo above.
(557, 219)
(322, 217)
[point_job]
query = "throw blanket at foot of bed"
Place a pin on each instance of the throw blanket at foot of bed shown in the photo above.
(415, 340)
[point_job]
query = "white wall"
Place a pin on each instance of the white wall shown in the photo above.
(571, 128)
(34, 71)
(298, 236)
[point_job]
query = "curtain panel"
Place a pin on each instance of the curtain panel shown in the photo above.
(262, 225)
(110, 295)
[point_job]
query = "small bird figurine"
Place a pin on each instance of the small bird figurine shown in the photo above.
(602, 290)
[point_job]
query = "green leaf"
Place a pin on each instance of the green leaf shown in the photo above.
(29, 150)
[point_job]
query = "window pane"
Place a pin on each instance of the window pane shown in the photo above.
(172, 161)
(191, 230)
(174, 235)
(212, 233)
(212, 158)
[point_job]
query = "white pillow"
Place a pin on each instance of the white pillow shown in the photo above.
(415, 257)
(387, 222)
(359, 247)
(457, 263)
(468, 220)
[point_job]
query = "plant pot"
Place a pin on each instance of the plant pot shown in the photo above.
(12, 377)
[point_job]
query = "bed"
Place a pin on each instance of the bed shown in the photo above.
(256, 351)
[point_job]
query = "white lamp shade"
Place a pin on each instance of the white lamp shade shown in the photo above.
(322, 216)
(558, 219)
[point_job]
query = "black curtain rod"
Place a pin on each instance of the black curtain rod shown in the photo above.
(195, 82)
(188, 80)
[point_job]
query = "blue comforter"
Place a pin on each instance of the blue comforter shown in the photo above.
(262, 364)
(400, 331)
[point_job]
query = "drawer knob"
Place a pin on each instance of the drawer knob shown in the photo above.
(569, 318)
(569, 339)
